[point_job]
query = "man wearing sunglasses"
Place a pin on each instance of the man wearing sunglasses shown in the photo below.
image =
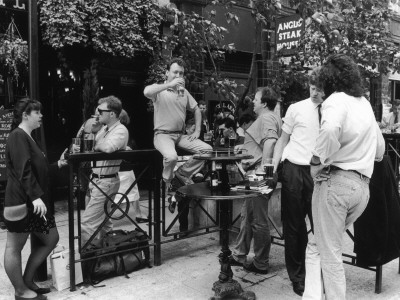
(111, 137)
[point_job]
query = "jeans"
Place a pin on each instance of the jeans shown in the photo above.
(94, 214)
(297, 189)
(336, 204)
(165, 144)
(254, 224)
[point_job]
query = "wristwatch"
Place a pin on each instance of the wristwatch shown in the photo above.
(315, 161)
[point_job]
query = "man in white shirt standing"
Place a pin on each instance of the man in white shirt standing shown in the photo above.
(112, 137)
(342, 163)
(299, 133)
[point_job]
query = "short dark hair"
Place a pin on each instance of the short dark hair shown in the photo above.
(269, 97)
(341, 74)
(313, 79)
(25, 105)
(113, 103)
(228, 122)
(176, 60)
(201, 102)
(246, 118)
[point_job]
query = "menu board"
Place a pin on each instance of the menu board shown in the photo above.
(6, 117)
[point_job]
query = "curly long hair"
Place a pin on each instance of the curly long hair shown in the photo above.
(341, 74)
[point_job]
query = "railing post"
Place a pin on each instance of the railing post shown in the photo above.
(157, 163)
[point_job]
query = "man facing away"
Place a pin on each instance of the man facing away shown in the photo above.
(260, 139)
(348, 142)
(299, 133)
(171, 101)
(112, 137)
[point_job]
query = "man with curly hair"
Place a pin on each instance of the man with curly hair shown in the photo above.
(349, 141)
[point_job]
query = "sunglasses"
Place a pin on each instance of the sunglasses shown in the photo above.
(103, 110)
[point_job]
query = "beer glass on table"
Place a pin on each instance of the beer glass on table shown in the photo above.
(269, 168)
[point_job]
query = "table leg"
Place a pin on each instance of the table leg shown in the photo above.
(224, 177)
(225, 284)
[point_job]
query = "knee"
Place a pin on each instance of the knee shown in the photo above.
(206, 147)
(171, 158)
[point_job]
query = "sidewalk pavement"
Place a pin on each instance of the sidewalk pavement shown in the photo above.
(190, 267)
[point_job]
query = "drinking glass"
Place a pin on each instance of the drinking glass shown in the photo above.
(232, 138)
(88, 145)
(76, 145)
(269, 168)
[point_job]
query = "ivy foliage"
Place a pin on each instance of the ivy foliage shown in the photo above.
(359, 29)
(116, 27)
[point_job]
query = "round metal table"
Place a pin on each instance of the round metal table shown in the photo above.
(202, 191)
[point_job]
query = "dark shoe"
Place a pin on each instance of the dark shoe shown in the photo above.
(38, 297)
(171, 205)
(234, 262)
(298, 288)
(42, 290)
(142, 220)
(254, 269)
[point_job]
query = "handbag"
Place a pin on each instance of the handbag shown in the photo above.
(110, 263)
(59, 262)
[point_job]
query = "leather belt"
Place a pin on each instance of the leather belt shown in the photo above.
(167, 131)
(335, 168)
(94, 175)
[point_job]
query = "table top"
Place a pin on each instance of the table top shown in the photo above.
(222, 154)
(202, 191)
(394, 135)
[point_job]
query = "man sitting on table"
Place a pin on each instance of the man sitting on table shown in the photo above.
(171, 101)
(112, 137)
(260, 139)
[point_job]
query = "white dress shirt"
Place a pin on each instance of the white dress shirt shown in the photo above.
(349, 137)
(301, 122)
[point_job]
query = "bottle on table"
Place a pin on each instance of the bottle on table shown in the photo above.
(214, 177)
(221, 138)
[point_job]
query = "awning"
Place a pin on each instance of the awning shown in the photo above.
(394, 76)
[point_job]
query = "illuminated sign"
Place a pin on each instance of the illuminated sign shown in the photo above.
(14, 4)
(288, 33)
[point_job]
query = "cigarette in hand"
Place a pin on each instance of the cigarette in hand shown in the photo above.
(44, 217)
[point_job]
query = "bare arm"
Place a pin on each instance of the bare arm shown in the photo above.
(197, 120)
(268, 149)
(280, 145)
(151, 90)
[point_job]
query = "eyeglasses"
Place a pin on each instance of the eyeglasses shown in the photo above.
(103, 110)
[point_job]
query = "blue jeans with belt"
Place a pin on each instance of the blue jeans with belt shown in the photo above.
(336, 204)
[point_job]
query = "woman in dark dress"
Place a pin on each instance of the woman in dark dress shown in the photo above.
(26, 201)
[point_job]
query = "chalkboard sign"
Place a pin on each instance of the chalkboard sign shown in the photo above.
(6, 117)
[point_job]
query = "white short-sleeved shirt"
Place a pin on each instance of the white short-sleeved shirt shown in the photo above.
(349, 137)
(170, 109)
(301, 122)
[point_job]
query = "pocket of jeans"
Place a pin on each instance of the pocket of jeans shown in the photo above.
(340, 193)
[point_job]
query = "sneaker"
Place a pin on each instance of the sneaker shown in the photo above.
(171, 205)
(183, 179)
(234, 262)
(254, 269)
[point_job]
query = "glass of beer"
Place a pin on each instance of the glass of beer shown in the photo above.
(181, 90)
(208, 138)
(232, 139)
(269, 168)
(76, 145)
(88, 145)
